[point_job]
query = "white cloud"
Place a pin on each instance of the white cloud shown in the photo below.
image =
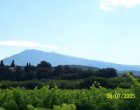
(110, 5)
(28, 44)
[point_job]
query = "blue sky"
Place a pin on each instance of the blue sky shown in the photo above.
(106, 30)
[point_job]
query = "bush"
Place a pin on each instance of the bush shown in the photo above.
(2, 108)
(11, 105)
(65, 107)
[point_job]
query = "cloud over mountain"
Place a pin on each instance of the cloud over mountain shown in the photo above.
(29, 44)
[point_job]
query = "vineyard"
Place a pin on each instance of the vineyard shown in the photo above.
(58, 99)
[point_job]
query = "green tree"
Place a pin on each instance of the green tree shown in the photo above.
(58, 70)
(44, 70)
(18, 74)
(13, 64)
(44, 64)
(29, 71)
(108, 72)
(1, 63)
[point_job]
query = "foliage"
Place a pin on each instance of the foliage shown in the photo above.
(65, 107)
(2, 108)
(13, 64)
(1, 63)
(10, 105)
(44, 70)
(47, 98)
(122, 82)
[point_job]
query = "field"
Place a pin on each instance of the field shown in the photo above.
(57, 99)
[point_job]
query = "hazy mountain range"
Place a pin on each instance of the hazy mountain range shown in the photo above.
(35, 56)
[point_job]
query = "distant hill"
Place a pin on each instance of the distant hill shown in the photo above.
(136, 73)
(35, 56)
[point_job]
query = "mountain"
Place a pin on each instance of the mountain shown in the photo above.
(35, 56)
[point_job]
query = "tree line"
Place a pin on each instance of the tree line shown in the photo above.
(44, 70)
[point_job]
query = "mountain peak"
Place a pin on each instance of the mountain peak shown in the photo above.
(35, 50)
(32, 50)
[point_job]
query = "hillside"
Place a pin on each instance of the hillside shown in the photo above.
(35, 56)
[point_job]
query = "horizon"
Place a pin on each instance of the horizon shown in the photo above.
(64, 55)
(99, 30)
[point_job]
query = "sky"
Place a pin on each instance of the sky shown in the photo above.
(105, 30)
